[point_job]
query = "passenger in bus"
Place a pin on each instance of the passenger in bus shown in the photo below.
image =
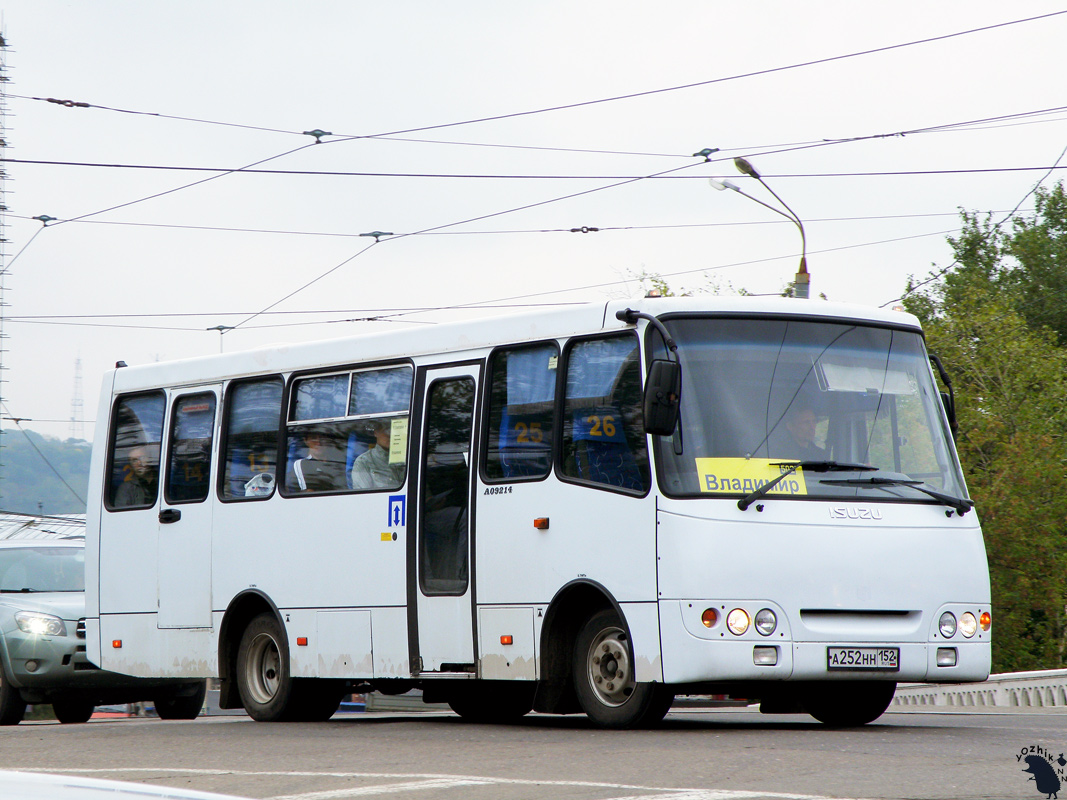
(372, 469)
(139, 486)
(800, 443)
(318, 471)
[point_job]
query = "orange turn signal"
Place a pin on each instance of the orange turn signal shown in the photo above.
(116, 643)
(709, 617)
(506, 639)
(541, 523)
(302, 641)
(985, 621)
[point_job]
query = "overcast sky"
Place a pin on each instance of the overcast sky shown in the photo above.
(137, 268)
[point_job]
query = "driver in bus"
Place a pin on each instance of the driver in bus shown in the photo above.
(800, 444)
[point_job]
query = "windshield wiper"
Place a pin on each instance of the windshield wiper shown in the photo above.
(789, 467)
(17, 591)
(960, 505)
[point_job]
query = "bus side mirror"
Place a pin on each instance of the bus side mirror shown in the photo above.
(948, 399)
(662, 396)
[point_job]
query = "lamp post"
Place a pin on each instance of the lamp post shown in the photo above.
(802, 280)
(222, 331)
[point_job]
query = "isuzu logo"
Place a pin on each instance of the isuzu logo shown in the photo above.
(850, 512)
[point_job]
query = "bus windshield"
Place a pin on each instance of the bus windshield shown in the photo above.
(855, 404)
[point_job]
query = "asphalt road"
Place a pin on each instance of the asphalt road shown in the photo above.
(715, 754)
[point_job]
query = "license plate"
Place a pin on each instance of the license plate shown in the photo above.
(883, 658)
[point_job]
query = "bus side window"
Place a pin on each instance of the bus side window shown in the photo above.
(603, 438)
(521, 410)
(250, 451)
(133, 452)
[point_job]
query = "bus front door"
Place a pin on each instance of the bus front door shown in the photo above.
(445, 616)
(184, 543)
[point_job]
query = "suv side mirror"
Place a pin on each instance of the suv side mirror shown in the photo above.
(663, 391)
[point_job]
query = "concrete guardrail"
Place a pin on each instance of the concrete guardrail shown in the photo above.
(1010, 691)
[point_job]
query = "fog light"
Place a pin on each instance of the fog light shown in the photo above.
(985, 622)
(765, 656)
(946, 656)
(968, 624)
(947, 625)
(32, 665)
(737, 621)
(766, 622)
(709, 617)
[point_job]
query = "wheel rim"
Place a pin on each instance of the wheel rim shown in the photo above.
(263, 668)
(608, 667)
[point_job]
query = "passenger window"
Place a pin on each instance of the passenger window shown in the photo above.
(603, 436)
(349, 431)
(189, 461)
(133, 454)
(521, 409)
(249, 463)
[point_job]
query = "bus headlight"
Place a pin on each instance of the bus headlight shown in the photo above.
(968, 624)
(737, 621)
(947, 625)
(38, 624)
(766, 622)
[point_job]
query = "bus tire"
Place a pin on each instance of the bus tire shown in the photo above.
(176, 705)
(72, 710)
(315, 699)
(603, 672)
(263, 678)
(494, 703)
(12, 706)
(847, 704)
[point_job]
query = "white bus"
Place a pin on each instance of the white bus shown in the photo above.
(592, 509)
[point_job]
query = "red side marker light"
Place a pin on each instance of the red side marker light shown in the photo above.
(506, 639)
(302, 641)
(116, 643)
(541, 523)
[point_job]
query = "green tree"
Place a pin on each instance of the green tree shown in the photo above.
(989, 321)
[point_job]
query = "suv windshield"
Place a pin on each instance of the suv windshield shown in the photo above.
(758, 392)
(41, 568)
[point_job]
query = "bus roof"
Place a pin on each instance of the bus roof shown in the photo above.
(528, 326)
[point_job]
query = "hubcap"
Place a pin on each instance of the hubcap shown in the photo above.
(608, 667)
(262, 670)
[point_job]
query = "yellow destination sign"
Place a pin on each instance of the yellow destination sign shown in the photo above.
(744, 475)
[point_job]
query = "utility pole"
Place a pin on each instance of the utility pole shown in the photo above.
(3, 239)
(77, 406)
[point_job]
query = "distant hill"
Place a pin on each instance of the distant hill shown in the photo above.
(29, 486)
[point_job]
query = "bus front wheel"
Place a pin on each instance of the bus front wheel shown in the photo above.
(263, 670)
(604, 677)
(846, 704)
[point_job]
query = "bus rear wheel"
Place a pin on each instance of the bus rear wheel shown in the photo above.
(184, 703)
(604, 679)
(72, 710)
(263, 670)
(847, 704)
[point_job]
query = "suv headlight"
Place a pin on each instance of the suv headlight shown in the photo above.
(38, 624)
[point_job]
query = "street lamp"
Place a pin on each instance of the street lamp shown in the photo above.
(222, 332)
(802, 281)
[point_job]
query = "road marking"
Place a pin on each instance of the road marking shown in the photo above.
(415, 782)
(385, 788)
